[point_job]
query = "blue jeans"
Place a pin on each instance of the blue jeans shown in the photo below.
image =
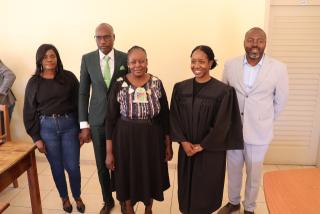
(60, 136)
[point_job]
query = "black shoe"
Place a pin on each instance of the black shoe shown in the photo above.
(107, 207)
(80, 205)
(229, 208)
(248, 212)
(66, 205)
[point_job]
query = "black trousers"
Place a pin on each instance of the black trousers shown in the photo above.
(99, 146)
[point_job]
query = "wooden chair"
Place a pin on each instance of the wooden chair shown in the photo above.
(6, 129)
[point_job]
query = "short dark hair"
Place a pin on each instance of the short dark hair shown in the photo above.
(208, 51)
(41, 52)
(136, 47)
(256, 29)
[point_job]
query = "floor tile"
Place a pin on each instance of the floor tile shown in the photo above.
(91, 193)
(92, 186)
(46, 182)
(22, 181)
(18, 210)
(261, 198)
(54, 211)
(269, 167)
(261, 208)
(52, 201)
(46, 171)
(86, 151)
(174, 200)
(22, 199)
(87, 170)
(285, 167)
(93, 202)
(42, 165)
(9, 193)
(175, 148)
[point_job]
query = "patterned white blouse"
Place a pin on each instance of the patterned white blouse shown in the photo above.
(140, 102)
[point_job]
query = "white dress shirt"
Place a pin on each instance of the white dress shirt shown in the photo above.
(250, 72)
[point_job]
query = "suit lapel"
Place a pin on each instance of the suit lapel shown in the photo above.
(97, 67)
(117, 64)
(239, 69)
(116, 67)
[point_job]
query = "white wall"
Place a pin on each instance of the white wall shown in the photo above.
(167, 29)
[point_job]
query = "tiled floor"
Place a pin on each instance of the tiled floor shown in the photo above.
(51, 203)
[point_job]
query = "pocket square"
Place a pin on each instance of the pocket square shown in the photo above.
(122, 68)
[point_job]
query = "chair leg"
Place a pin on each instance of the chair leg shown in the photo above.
(15, 183)
(3, 206)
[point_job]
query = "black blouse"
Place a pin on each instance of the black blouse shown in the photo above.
(198, 86)
(47, 97)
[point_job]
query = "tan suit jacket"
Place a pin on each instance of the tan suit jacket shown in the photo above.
(260, 105)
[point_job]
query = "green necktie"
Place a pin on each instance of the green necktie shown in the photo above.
(106, 71)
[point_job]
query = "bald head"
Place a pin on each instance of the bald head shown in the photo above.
(256, 30)
(104, 26)
(104, 37)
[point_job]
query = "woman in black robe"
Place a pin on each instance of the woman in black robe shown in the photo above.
(205, 120)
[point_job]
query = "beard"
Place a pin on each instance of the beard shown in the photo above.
(254, 53)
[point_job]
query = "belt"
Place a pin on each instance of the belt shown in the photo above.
(66, 115)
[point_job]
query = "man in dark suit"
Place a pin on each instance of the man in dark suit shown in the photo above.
(99, 70)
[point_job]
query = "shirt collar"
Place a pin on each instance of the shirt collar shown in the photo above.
(245, 61)
(110, 55)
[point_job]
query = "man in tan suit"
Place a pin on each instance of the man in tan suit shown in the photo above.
(261, 83)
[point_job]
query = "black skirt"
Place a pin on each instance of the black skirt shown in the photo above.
(141, 172)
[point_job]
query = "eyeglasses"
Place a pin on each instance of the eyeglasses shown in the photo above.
(105, 37)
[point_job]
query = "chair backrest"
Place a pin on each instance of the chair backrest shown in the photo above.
(4, 123)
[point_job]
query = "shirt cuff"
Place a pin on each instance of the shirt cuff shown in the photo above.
(84, 124)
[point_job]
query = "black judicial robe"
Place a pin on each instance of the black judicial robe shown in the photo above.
(212, 119)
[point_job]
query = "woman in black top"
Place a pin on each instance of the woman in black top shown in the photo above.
(50, 118)
(205, 120)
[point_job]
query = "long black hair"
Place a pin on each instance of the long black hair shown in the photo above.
(41, 52)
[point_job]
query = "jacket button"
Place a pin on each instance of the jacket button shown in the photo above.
(242, 113)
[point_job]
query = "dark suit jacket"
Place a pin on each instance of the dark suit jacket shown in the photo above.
(91, 75)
